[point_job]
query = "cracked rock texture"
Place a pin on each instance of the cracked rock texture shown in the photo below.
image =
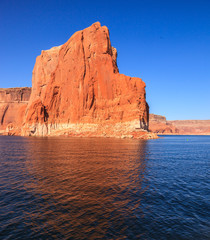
(79, 83)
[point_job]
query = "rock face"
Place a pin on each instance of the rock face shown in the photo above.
(13, 103)
(157, 118)
(77, 89)
(159, 124)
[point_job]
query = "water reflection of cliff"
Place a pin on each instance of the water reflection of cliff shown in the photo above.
(87, 188)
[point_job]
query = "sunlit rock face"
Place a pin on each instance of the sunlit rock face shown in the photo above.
(13, 103)
(78, 86)
(159, 124)
(192, 127)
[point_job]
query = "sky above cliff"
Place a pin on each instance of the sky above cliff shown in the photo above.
(166, 43)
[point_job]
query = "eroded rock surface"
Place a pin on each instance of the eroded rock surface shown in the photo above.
(77, 89)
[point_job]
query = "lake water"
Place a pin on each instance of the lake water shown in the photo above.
(95, 188)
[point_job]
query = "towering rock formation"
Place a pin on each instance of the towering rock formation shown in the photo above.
(77, 89)
(13, 103)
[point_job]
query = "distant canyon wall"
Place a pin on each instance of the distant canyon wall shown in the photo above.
(13, 103)
(192, 126)
(159, 124)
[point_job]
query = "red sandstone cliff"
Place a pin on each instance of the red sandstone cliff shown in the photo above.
(159, 124)
(77, 90)
(13, 103)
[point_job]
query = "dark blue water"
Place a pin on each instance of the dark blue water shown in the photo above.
(92, 188)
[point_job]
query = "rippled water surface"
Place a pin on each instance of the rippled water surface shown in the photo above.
(93, 188)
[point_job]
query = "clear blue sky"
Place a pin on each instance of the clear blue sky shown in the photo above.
(165, 42)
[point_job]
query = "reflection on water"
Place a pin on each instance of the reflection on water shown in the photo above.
(74, 188)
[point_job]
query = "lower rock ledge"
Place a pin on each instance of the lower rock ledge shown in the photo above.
(117, 130)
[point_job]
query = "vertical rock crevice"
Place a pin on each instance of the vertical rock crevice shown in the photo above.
(4, 113)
